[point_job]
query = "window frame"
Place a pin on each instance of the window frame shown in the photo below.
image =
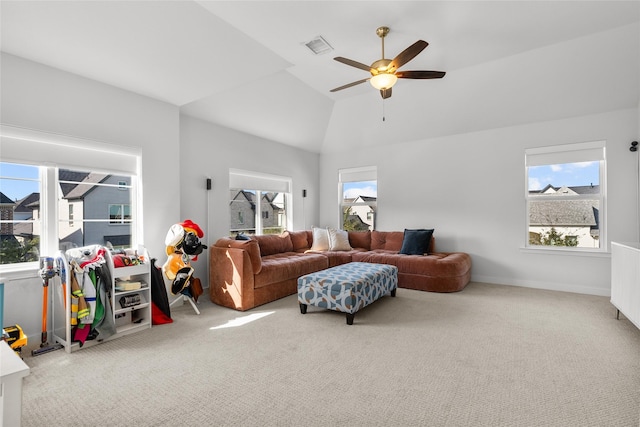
(566, 154)
(260, 184)
(51, 152)
(358, 174)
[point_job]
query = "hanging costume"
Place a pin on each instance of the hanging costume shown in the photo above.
(91, 285)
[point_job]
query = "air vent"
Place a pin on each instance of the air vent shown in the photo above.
(318, 46)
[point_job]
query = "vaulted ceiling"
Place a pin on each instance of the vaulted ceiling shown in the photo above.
(245, 65)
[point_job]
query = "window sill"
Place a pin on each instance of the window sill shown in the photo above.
(596, 253)
(28, 270)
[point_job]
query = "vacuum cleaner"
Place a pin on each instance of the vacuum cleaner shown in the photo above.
(48, 271)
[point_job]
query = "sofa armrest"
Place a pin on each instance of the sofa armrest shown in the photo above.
(251, 247)
(231, 277)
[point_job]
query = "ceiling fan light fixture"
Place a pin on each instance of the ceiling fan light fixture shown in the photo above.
(383, 81)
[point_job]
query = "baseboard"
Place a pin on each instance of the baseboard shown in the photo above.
(551, 286)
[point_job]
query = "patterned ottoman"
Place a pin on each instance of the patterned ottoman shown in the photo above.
(348, 287)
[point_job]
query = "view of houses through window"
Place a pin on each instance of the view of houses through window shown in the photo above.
(92, 208)
(259, 203)
(359, 198)
(565, 199)
(257, 212)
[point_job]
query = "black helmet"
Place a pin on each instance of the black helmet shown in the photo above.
(191, 244)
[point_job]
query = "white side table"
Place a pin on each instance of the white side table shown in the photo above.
(12, 370)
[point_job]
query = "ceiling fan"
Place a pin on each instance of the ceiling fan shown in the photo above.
(384, 72)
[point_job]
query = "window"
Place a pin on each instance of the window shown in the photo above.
(119, 214)
(358, 198)
(565, 196)
(258, 203)
(50, 204)
(20, 223)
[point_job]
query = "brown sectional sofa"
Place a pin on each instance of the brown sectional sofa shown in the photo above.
(248, 273)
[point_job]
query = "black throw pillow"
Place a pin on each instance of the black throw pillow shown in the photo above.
(241, 236)
(416, 242)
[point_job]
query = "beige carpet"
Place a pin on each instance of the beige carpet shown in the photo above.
(490, 355)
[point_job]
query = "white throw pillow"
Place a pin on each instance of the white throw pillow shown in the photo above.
(339, 240)
(320, 239)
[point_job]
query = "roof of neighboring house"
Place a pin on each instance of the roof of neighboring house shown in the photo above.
(5, 200)
(578, 189)
(269, 197)
(368, 198)
(78, 191)
(67, 175)
(563, 213)
(23, 229)
(28, 203)
(365, 199)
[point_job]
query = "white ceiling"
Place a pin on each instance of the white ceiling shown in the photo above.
(244, 65)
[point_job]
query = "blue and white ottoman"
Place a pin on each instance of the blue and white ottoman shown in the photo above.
(347, 288)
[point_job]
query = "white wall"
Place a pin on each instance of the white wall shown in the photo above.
(38, 97)
(470, 188)
(209, 151)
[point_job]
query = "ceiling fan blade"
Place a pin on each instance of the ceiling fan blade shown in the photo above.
(407, 55)
(385, 93)
(348, 85)
(353, 63)
(420, 74)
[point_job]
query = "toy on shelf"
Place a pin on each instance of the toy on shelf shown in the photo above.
(183, 245)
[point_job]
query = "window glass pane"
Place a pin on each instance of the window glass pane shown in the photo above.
(565, 202)
(100, 205)
(359, 204)
(257, 212)
(242, 209)
(20, 224)
(353, 190)
(573, 223)
(565, 174)
(274, 213)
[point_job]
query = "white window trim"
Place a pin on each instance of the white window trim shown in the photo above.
(260, 183)
(358, 174)
(18, 145)
(554, 155)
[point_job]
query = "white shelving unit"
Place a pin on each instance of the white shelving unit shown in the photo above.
(127, 318)
(625, 280)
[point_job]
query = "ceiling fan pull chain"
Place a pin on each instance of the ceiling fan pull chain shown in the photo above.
(383, 118)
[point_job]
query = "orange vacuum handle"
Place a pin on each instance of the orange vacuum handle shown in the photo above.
(45, 300)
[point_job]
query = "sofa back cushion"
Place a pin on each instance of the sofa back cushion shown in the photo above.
(360, 239)
(274, 243)
(387, 240)
(301, 240)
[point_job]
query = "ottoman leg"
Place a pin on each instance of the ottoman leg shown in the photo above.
(393, 293)
(303, 308)
(350, 318)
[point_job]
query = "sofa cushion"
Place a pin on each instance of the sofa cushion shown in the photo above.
(320, 239)
(338, 240)
(438, 265)
(360, 239)
(300, 240)
(416, 242)
(274, 244)
(387, 240)
(288, 266)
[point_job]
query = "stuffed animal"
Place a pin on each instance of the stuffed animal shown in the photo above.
(182, 246)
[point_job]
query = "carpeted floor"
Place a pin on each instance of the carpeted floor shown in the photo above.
(490, 355)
